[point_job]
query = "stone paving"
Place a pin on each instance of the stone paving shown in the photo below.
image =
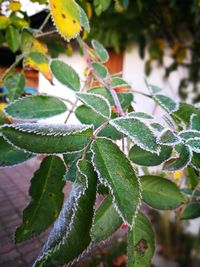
(14, 184)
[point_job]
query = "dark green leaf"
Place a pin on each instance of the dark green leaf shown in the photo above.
(119, 82)
(106, 221)
(160, 193)
(65, 74)
(195, 122)
(146, 158)
(13, 38)
(14, 84)
(165, 102)
(10, 156)
(115, 170)
(180, 162)
(141, 244)
(196, 161)
(194, 144)
(185, 111)
(71, 232)
(35, 107)
(140, 115)
(87, 116)
(168, 138)
(192, 211)
(124, 97)
(47, 197)
(47, 138)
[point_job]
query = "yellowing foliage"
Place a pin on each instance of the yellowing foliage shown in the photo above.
(65, 15)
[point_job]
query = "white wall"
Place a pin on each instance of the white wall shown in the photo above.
(133, 72)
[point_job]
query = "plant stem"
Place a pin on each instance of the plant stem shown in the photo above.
(100, 79)
(44, 23)
(71, 111)
(18, 59)
(45, 33)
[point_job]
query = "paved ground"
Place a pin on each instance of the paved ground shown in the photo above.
(14, 184)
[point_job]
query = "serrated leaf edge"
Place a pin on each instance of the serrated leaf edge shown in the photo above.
(120, 129)
(98, 96)
(104, 182)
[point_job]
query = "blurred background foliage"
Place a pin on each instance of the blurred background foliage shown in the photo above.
(159, 27)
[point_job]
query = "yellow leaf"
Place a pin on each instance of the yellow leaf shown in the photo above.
(2, 106)
(65, 15)
(4, 22)
(39, 46)
(15, 6)
(89, 10)
(39, 62)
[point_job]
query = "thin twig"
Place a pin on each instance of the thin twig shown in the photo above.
(17, 61)
(44, 23)
(101, 80)
(71, 111)
(45, 33)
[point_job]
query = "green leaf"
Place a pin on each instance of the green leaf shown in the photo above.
(115, 170)
(14, 85)
(165, 102)
(65, 74)
(97, 103)
(48, 138)
(141, 244)
(196, 161)
(185, 111)
(47, 197)
(160, 193)
(124, 98)
(140, 115)
(106, 221)
(101, 5)
(39, 62)
(100, 51)
(10, 156)
(119, 82)
(13, 38)
(194, 144)
(153, 89)
(189, 134)
(27, 39)
(4, 22)
(25, 108)
(100, 70)
(192, 211)
(138, 132)
(71, 232)
(195, 122)
(87, 116)
(180, 162)
(168, 138)
(145, 158)
(84, 19)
